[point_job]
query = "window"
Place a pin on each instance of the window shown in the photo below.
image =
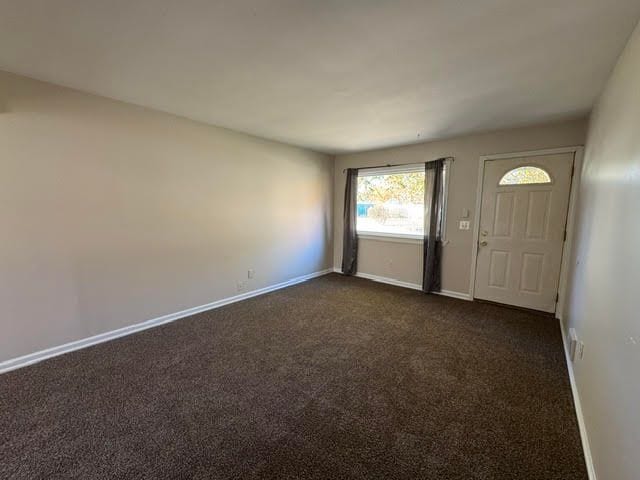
(391, 201)
(526, 175)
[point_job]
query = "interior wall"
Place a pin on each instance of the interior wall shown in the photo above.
(605, 282)
(403, 261)
(114, 214)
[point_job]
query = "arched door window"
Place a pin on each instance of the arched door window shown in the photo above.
(525, 175)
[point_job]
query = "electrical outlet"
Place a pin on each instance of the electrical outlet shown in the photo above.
(464, 224)
(251, 273)
(580, 350)
(241, 284)
(573, 344)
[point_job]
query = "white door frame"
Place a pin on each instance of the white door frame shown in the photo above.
(578, 152)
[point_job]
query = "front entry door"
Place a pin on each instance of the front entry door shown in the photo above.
(523, 216)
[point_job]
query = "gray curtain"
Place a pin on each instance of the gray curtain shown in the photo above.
(433, 206)
(350, 237)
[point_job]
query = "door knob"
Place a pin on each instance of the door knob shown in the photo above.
(484, 243)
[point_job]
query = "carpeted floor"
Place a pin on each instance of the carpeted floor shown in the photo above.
(334, 378)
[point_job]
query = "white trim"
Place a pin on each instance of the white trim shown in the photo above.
(565, 266)
(35, 357)
(591, 471)
(412, 286)
(568, 244)
(391, 237)
(390, 281)
(531, 153)
(452, 294)
(476, 227)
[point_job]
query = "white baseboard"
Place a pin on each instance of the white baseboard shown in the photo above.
(578, 407)
(413, 286)
(390, 281)
(452, 294)
(35, 357)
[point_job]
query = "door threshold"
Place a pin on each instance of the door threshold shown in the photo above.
(516, 307)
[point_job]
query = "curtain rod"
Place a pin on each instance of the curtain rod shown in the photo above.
(451, 159)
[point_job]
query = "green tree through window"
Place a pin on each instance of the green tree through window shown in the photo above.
(402, 187)
(391, 203)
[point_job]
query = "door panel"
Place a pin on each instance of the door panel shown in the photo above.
(522, 231)
(538, 215)
(499, 269)
(531, 276)
(503, 216)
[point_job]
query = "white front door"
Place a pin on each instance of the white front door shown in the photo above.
(523, 216)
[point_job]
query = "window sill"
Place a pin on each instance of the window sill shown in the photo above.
(391, 237)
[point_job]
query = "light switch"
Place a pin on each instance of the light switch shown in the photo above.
(465, 213)
(464, 224)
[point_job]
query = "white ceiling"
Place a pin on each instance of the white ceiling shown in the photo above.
(331, 75)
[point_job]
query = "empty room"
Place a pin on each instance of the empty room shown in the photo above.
(319, 239)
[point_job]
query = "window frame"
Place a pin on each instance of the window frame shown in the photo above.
(408, 168)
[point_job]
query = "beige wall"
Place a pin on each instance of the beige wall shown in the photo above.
(114, 214)
(401, 261)
(603, 302)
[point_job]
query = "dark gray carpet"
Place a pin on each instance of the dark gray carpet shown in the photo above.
(334, 378)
